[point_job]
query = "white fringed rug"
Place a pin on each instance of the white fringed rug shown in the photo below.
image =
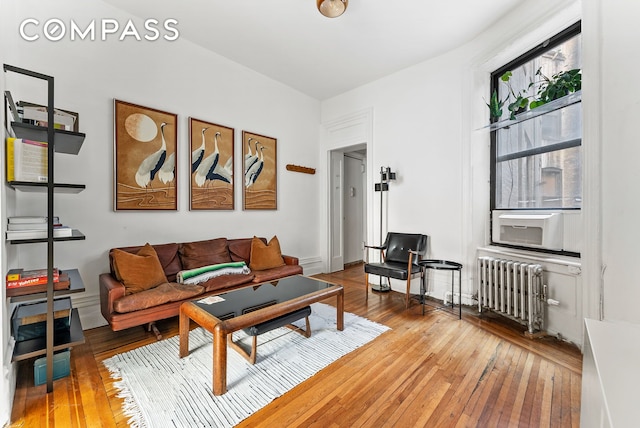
(162, 390)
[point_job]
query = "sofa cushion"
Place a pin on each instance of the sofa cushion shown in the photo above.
(138, 272)
(276, 273)
(240, 249)
(265, 256)
(163, 293)
(169, 259)
(204, 253)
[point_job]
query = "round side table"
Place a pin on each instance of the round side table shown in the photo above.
(441, 265)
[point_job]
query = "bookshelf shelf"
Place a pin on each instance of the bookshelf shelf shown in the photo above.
(29, 186)
(62, 339)
(76, 235)
(64, 141)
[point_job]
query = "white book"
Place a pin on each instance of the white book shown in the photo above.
(31, 219)
(59, 232)
(27, 226)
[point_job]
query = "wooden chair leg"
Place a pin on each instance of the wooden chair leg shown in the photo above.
(366, 286)
(409, 266)
(407, 300)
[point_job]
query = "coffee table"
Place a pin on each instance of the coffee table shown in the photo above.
(248, 306)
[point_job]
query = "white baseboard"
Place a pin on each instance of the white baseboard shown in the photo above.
(312, 265)
(89, 311)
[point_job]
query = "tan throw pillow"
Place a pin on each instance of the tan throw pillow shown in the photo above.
(138, 272)
(265, 256)
(204, 253)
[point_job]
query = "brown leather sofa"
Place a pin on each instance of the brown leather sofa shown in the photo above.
(123, 310)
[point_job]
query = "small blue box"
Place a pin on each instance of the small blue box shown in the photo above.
(61, 367)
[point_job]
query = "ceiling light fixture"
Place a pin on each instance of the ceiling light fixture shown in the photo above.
(332, 8)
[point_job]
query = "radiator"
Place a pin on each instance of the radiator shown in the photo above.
(513, 289)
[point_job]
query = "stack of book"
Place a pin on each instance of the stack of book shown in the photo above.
(36, 114)
(21, 282)
(34, 227)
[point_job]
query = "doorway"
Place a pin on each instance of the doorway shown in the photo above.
(348, 223)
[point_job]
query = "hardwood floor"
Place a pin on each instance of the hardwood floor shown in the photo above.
(432, 371)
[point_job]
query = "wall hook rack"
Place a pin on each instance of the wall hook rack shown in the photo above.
(303, 169)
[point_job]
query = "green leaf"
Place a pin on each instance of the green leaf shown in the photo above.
(495, 105)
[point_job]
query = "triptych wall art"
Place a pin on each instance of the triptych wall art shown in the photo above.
(146, 165)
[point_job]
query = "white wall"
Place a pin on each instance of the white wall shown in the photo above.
(178, 77)
(620, 156)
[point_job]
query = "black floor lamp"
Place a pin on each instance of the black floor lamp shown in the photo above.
(385, 177)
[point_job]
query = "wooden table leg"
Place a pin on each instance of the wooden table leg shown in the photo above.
(340, 310)
(184, 333)
(219, 361)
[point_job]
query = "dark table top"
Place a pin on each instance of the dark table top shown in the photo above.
(440, 264)
(243, 300)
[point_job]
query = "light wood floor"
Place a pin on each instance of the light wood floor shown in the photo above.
(431, 371)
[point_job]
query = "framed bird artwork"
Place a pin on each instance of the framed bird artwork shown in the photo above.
(260, 178)
(211, 166)
(145, 158)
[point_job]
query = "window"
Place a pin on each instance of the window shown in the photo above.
(536, 155)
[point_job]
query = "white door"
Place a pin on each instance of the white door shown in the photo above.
(353, 219)
(336, 182)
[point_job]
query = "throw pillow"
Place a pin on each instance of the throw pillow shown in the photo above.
(265, 256)
(204, 253)
(138, 272)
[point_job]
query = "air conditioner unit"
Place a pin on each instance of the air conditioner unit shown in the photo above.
(531, 229)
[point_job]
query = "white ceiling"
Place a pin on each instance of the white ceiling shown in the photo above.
(289, 41)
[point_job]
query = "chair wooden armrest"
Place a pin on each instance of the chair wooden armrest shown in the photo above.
(375, 247)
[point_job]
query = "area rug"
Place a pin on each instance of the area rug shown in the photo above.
(162, 390)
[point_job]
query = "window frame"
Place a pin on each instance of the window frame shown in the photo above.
(540, 49)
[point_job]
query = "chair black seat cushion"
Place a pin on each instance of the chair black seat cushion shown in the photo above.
(396, 270)
(281, 321)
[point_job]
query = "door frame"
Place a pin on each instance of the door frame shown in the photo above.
(342, 133)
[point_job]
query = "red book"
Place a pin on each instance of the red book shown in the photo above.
(63, 284)
(24, 278)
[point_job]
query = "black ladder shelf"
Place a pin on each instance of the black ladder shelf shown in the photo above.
(62, 142)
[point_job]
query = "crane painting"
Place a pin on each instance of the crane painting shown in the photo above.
(212, 162)
(145, 158)
(259, 179)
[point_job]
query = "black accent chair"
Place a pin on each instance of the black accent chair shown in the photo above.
(400, 255)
